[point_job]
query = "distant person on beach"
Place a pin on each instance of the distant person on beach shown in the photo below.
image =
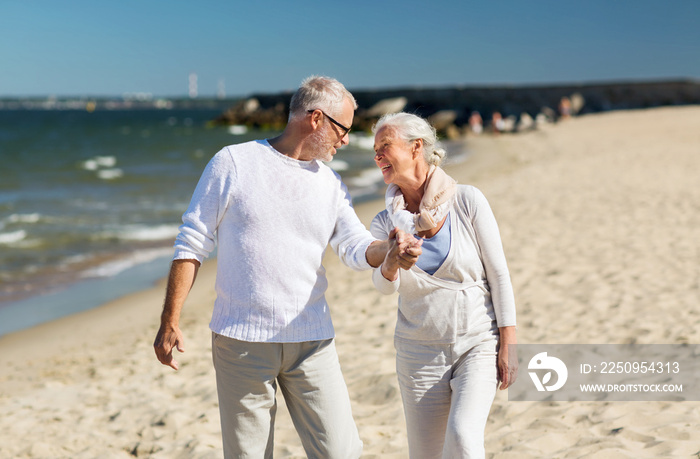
(274, 207)
(565, 108)
(476, 124)
(498, 124)
(456, 314)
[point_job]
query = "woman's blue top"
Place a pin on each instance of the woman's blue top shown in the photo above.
(436, 248)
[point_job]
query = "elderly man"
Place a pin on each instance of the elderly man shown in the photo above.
(274, 208)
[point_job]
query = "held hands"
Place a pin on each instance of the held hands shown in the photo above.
(404, 250)
(408, 249)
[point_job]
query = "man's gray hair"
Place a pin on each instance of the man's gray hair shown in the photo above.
(322, 93)
(410, 127)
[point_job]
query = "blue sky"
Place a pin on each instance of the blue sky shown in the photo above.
(80, 47)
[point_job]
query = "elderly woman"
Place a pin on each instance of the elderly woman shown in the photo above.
(456, 312)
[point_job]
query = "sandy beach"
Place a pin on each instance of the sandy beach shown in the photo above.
(599, 217)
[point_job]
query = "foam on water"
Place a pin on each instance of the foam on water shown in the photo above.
(97, 162)
(367, 177)
(237, 129)
(364, 142)
(147, 233)
(112, 268)
(24, 218)
(110, 174)
(366, 185)
(74, 259)
(338, 165)
(89, 165)
(12, 237)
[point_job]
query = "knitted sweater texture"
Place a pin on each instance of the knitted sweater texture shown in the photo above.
(273, 217)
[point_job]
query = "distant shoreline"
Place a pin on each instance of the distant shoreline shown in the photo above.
(208, 99)
(626, 94)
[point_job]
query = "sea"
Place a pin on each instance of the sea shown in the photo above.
(91, 201)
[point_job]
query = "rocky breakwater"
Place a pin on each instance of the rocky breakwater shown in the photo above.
(458, 110)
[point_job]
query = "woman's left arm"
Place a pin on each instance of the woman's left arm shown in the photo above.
(493, 259)
(498, 277)
(507, 357)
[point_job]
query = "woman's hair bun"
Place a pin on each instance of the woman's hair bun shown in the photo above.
(437, 156)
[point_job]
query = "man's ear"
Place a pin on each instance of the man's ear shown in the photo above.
(316, 119)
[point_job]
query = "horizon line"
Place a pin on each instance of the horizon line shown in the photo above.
(643, 80)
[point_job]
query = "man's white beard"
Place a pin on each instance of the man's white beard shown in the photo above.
(320, 146)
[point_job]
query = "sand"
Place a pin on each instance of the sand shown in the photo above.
(599, 217)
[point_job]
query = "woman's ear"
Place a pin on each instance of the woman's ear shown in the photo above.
(417, 147)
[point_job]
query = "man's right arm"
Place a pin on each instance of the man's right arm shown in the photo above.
(180, 280)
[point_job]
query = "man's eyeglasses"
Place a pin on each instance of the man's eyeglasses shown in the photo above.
(346, 130)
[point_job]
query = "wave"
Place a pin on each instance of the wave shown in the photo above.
(23, 218)
(238, 129)
(147, 233)
(364, 142)
(110, 174)
(97, 162)
(12, 237)
(74, 260)
(20, 218)
(367, 177)
(103, 166)
(112, 268)
(368, 184)
(338, 165)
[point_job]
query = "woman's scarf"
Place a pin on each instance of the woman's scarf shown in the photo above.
(439, 191)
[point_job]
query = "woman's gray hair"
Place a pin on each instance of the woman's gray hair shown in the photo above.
(322, 93)
(411, 127)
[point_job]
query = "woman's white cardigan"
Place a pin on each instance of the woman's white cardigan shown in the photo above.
(470, 292)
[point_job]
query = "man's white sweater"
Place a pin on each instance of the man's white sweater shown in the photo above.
(273, 217)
